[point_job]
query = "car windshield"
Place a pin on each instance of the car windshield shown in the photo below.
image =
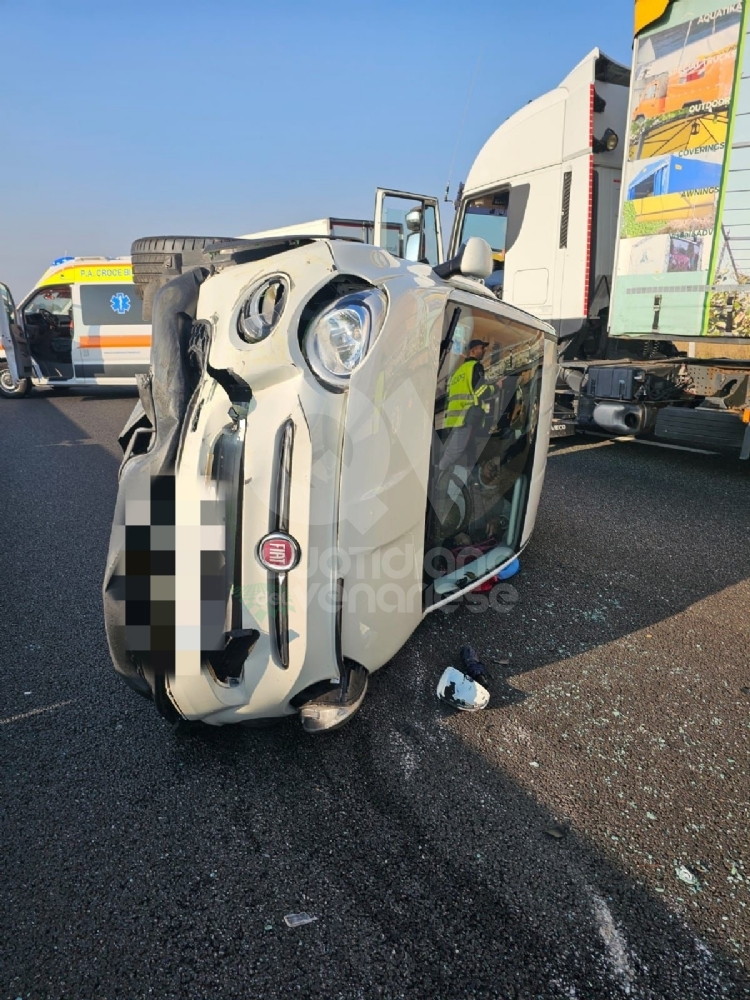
(57, 301)
(486, 417)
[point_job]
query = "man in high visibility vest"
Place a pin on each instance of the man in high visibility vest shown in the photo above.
(467, 408)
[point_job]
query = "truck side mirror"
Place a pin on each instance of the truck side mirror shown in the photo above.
(473, 260)
(413, 220)
(413, 241)
(476, 260)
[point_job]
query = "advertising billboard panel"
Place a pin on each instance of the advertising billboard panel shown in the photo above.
(683, 254)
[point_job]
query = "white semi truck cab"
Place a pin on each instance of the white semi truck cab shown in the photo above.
(544, 191)
(618, 209)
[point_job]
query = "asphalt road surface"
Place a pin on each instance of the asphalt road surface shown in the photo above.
(529, 851)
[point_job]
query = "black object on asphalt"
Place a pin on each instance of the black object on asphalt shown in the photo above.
(473, 666)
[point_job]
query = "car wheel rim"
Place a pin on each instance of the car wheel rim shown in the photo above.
(6, 381)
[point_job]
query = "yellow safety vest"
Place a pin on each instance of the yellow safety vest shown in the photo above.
(461, 395)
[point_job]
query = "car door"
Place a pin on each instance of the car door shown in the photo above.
(13, 338)
(408, 226)
(47, 320)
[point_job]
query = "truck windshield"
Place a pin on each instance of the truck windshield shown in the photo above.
(487, 216)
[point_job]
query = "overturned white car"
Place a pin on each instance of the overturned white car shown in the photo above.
(334, 440)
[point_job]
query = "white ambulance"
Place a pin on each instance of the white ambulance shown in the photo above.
(81, 325)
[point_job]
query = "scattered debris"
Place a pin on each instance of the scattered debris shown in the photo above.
(510, 570)
(556, 832)
(465, 688)
(462, 692)
(298, 919)
(505, 574)
(473, 666)
(685, 875)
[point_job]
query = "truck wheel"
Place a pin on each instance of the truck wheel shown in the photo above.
(8, 387)
(156, 259)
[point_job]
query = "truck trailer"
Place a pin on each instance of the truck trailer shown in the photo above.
(625, 223)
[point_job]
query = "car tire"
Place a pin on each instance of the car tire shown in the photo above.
(9, 388)
(156, 259)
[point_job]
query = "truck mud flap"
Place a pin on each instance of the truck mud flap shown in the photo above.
(562, 427)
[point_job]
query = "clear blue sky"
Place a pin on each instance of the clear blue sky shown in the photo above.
(131, 119)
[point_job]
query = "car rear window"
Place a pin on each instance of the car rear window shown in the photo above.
(110, 305)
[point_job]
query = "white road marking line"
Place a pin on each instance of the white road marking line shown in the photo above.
(655, 444)
(579, 447)
(36, 711)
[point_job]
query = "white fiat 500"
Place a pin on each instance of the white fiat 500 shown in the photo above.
(336, 438)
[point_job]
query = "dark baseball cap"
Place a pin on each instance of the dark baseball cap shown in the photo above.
(478, 343)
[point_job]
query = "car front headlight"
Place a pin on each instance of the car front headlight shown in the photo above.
(338, 339)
